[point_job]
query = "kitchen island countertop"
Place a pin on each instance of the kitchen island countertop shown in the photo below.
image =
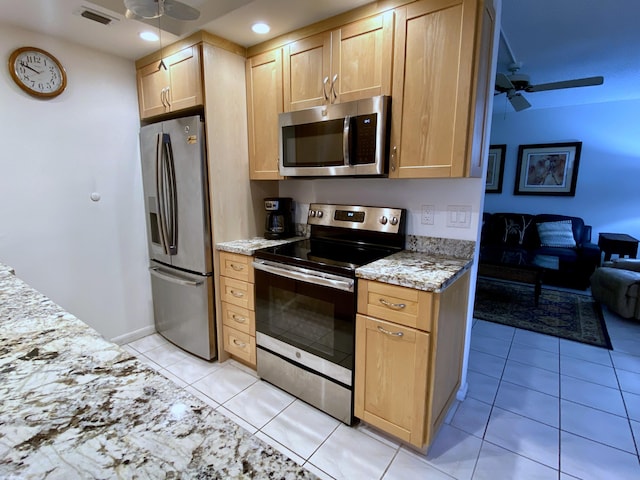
(422, 271)
(75, 405)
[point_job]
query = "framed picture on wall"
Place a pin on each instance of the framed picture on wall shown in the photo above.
(495, 169)
(548, 169)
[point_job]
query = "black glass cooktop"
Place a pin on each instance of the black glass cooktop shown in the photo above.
(326, 255)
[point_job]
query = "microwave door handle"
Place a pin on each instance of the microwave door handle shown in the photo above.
(172, 230)
(345, 140)
(160, 200)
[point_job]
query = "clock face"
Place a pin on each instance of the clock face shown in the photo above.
(37, 72)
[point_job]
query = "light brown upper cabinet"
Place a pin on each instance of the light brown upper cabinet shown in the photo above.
(348, 63)
(170, 85)
(264, 103)
(440, 80)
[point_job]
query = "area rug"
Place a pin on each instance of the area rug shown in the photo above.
(562, 314)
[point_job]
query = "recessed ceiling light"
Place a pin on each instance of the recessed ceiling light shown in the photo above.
(149, 36)
(260, 28)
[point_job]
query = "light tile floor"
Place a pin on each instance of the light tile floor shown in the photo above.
(537, 407)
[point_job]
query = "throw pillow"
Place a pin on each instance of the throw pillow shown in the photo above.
(556, 234)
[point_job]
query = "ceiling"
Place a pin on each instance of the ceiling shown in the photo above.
(555, 40)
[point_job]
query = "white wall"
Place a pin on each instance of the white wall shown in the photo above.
(607, 192)
(89, 257)
(404, 193)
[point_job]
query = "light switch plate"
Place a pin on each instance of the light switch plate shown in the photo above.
(459, 216)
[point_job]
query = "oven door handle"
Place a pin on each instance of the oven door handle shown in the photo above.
(305, 275)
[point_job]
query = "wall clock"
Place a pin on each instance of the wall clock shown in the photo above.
(37, 72)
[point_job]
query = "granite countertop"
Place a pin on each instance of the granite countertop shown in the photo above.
(422, 271)
(77, 406)
(249, 246)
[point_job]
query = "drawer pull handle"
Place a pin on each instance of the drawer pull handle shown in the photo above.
(237, 294)
(238, 343)
(395, 306)
(239, 319)
(237, 268)
(387, 332)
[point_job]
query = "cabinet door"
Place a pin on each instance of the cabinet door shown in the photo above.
(391, 377)
(432, 77)
(306, 66)
(152, 79)
(482, 93)
(185, 78)
(361, 59)
(264, 103)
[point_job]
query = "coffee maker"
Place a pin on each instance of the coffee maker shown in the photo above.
(279, 223)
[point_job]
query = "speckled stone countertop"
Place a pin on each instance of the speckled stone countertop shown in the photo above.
(419, 270)
(249, 246)
(75, 406)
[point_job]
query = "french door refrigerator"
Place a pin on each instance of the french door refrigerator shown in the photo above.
(174, 172)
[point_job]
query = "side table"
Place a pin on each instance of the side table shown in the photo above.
(619, 243)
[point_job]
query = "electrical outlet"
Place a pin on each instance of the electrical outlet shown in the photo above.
(459, 216)
(427, 214)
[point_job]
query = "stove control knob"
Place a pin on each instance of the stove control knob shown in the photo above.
(394, 220)
(319, 214)
(312, 213)
(383, 220)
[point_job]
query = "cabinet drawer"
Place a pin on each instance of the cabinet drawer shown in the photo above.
(406, 306)
(239, 318)
(236, 266)
(236, 292)
(239, 344)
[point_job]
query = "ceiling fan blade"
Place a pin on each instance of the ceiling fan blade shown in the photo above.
(147, 9)
(180, 11)
(578, 82)
(518, 102)
(503, 83)
(137, 9)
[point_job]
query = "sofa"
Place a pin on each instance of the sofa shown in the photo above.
(558, 244)
(617, 285)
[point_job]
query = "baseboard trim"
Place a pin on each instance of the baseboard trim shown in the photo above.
(461, 394)
(135, 335)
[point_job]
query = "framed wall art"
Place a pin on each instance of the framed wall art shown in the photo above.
(495, 169)
(548, 169)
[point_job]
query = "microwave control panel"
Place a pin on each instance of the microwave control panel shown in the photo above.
(365, 144)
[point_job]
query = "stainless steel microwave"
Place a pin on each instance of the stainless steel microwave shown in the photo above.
(345, 139)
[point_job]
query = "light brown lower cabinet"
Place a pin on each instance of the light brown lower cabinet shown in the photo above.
(409, 351)
(237, 302)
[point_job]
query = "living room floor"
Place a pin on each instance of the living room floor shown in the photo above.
(536, 407)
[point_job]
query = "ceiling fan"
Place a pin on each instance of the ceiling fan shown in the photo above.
(145, 9)
(514, 83)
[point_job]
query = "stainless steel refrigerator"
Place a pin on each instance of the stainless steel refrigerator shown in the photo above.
(175, 182)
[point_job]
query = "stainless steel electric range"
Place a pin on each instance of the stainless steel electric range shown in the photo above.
(306, 302)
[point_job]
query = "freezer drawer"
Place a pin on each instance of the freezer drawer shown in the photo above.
(183, 309)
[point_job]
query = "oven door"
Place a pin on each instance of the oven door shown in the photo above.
(305, 328)
(307, 316)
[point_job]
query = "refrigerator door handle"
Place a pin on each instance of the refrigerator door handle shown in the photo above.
(160, 194)
(156, 271)
(172, 231)
(166, 197)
